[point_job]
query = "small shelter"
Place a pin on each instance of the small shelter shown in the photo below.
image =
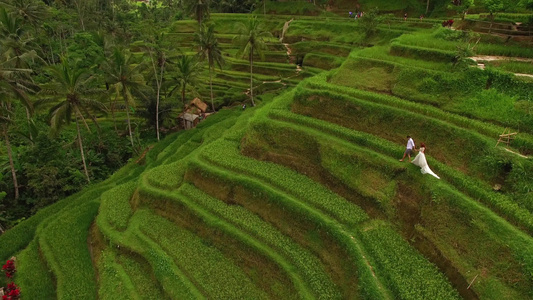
(194, 113)
(196, 106)
(188, 120)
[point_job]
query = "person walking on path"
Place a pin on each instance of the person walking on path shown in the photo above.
(420, 160)
(409, 148)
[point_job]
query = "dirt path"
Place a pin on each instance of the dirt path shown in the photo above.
(493, 58)
(289, 50)
(481, 58)
(285, 28)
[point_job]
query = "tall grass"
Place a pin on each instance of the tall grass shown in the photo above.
(215, 274)
(398, 262)
(64, 245)
(33, 274)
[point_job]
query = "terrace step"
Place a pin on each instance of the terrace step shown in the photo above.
(256, 227)
(213, 273)
(189, 211)
(174, 282)
(503, 205)
(64, 247)
(512, 233)
(297, 207)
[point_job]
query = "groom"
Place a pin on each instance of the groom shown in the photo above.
(409, 148)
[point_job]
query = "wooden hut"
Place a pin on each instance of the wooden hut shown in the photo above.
(194, 113)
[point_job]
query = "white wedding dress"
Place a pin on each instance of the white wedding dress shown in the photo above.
(420, 160)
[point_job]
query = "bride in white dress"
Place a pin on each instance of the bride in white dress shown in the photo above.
(420, 160)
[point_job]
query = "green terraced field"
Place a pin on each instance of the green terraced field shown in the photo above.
(303, 196)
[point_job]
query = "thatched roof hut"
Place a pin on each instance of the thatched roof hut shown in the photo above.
(197, 106)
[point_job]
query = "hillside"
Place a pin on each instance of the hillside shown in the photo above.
(303, 196)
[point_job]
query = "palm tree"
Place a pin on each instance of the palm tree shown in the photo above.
(6, 113)
(15, 45)
(187, 70)
(126, 78)
(252, 39)
(160, 58)
(200, 9)
(71, 86)
(33, 12)
(15, 83)
(210, 50)
(15, 39)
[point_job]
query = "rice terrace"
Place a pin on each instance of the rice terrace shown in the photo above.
(216, 149)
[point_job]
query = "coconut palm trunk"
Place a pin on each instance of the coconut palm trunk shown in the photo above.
(80, 144)
(157, 113)
(28, 118)
(251, 77)
(159, 83)
(11, 163)
(112, 106)
(183, 101)
(211, 88)
(125, 96)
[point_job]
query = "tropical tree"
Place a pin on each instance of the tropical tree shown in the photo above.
(16, 47)
(15, 84)
(200, 9)
(159, 62)
(126, 79)
(252, 37)
(210, 50)
(461, 7)
(33, 12)
(187, 70)
(158, 57)
(6, 112)
(369, 22)
(72, 87)
(493, 6)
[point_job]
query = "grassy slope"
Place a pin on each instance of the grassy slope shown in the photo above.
(302, 197)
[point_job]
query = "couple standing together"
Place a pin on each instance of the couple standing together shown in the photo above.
(420, 159)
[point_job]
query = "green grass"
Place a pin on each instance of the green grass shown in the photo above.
(370, 286)
(303, 188)
(115, 205)
(114, 280)
(408, 272)
(172, 280)
(446, 40)
(288, 8)
(322, 61)
(320, 47)
(513, 234)
(21, 235)
(33, 275)
(141, 276)
(385, 5)
(451, 91)
(523, 141)
(503, 204)
(381, 53)
(512, 66)
(482, 225)
(63, 242)
(150, 194)
(215, 274)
